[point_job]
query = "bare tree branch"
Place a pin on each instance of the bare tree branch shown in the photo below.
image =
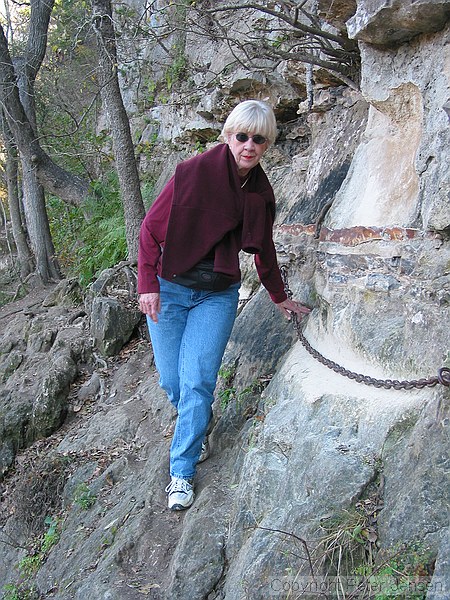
(290, 20)
(285, 31)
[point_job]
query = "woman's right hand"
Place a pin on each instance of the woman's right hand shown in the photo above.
(150, 304)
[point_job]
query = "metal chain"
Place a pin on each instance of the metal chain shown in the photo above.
(443, 376)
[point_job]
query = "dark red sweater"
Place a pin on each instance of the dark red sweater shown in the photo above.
(203, 207)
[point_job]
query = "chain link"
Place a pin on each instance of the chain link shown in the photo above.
(443, 376)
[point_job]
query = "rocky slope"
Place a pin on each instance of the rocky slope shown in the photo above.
(315, 481)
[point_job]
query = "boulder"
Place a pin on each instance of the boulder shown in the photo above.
(68, 292)
(388, 22)
(112, 325)
(50, 405)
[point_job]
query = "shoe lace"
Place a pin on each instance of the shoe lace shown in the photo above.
(178, 485)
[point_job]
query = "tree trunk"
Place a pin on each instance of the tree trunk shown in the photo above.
(17, 94)
(33, 192)
(119, 124)
(24, 257)
(68, 187)
(37, 225)
(26, 69)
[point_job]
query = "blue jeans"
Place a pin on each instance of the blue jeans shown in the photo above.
(188, 342)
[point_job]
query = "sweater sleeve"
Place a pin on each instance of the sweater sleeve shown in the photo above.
(267, 265)
(151, 240)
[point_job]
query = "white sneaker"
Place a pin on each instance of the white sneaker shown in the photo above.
(180, 494)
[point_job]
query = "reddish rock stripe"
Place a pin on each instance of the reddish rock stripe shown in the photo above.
(352, 236)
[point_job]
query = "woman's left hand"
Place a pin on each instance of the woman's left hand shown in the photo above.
(290, 306)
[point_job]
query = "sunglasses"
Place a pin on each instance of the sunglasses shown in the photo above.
(257, 139)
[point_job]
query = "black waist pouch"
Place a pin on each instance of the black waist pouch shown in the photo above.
(202, 277)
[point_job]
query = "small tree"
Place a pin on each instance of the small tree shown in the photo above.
(25, 71)
(119, 124)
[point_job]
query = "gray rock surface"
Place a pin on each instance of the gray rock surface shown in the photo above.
(41, 353)
(396, 21)
(111, 324)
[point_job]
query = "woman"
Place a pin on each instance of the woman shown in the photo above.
(216, 204)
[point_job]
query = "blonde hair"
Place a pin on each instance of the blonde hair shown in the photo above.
(254, 116)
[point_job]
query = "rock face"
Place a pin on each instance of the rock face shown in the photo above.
(392, 22)
(41, 349)
(44, 349)
(311, 472)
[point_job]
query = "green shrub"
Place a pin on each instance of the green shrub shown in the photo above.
(51, 536)
(11, 592)
(84, 497)
(90, 238)
(30, 564)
